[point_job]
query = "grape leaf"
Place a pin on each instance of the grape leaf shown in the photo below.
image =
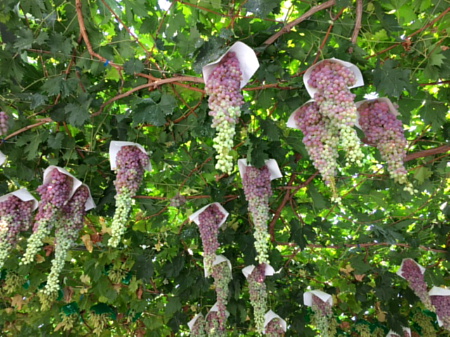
(133, 66)
(261, 8)
(391, 79)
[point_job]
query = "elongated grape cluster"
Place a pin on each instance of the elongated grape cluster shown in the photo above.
(54, 195)
(66, 233)
(411, 272)
(98, 322)
(131, 163)
(213, 328)
(258, 295)
(198, 329)
(335, 101)
(3, 123)
(320, 139)
(426, 324)
(15, 217)
(385, 131)
(442, 305)
(208, 225)
(225, 99)
(257, 189)
(323, 317)
(274, 328)
(222, 276)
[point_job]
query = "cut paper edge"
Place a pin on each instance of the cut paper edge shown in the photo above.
(2, 158)
(269, 316)
(114, 148)
(219, 259)
(248, 62)
(191, 323)
(268, 271)
(392, 333)
(23, 195)
(438, 291)
(307, 297)
(291, 123)
(399, 271)
(391, 106)
(358, 75)
(76, 184)
(215, 308)
(271, 164)
(194, 217)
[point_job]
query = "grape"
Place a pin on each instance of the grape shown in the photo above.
(198, 329)
(15, 217)
(321, 137)
(405, 334)
(131, 163)
(442, 305)
(98, 322)
(213, 328)
(274, 328)
(54, 195)
(323, 317)
(258, 295)
(3, 123)
(257, 189)
(385, 131)
(225, 99)
(426, 324)
(335, 101)
(208, 225)
(411, 272)
(65, 234)
(222, 276)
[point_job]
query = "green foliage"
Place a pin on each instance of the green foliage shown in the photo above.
(69, 92)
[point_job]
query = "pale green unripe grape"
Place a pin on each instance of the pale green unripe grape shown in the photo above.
(35, 241)
(118, 226)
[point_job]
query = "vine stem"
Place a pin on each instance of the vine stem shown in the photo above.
(28, 127)
(359, 10)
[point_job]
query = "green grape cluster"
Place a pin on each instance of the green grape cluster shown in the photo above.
(323, 317)
(13, 281)
(222, 276)
(47, 299)
(67, 322)
(426, 324)
(258, 295)
(98, 322)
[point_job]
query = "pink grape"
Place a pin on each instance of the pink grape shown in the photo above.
(258, 295)
(274, 328)
(442, 305)
(225, 99)
(222, 276)
(3, 123)
(412, 273)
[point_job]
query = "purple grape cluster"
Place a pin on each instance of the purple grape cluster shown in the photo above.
(225, 98)
(274, 328)
(54, 195)
(66, 233)
(411, 272)
(208, 225)
(320, 138)
(442, 305)
(335, 101)
(258, 295)
(15, 217)
(385, 131)
(222, 276)
(257, 189)
(198, 329)
(131, 163)
(323, 317)
(213, 328)
(3, 123)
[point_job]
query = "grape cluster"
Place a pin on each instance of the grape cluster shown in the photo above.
(67, 322)
(15, 217)
(385, 131)
(66, 233)
(426, 324)
(405, 334)
(335, 101)
(323, 317)
(12, 282)
(411, 272)
(258, 295)
(257, 191)
(274, 328)
(208, 225)
(98, 322)
(3, 123)
(198, 329)
(442, 305)
(213, 328)
(131, 163)
(54, 195)
(320, 138)
(222, 276)
(225, 99)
